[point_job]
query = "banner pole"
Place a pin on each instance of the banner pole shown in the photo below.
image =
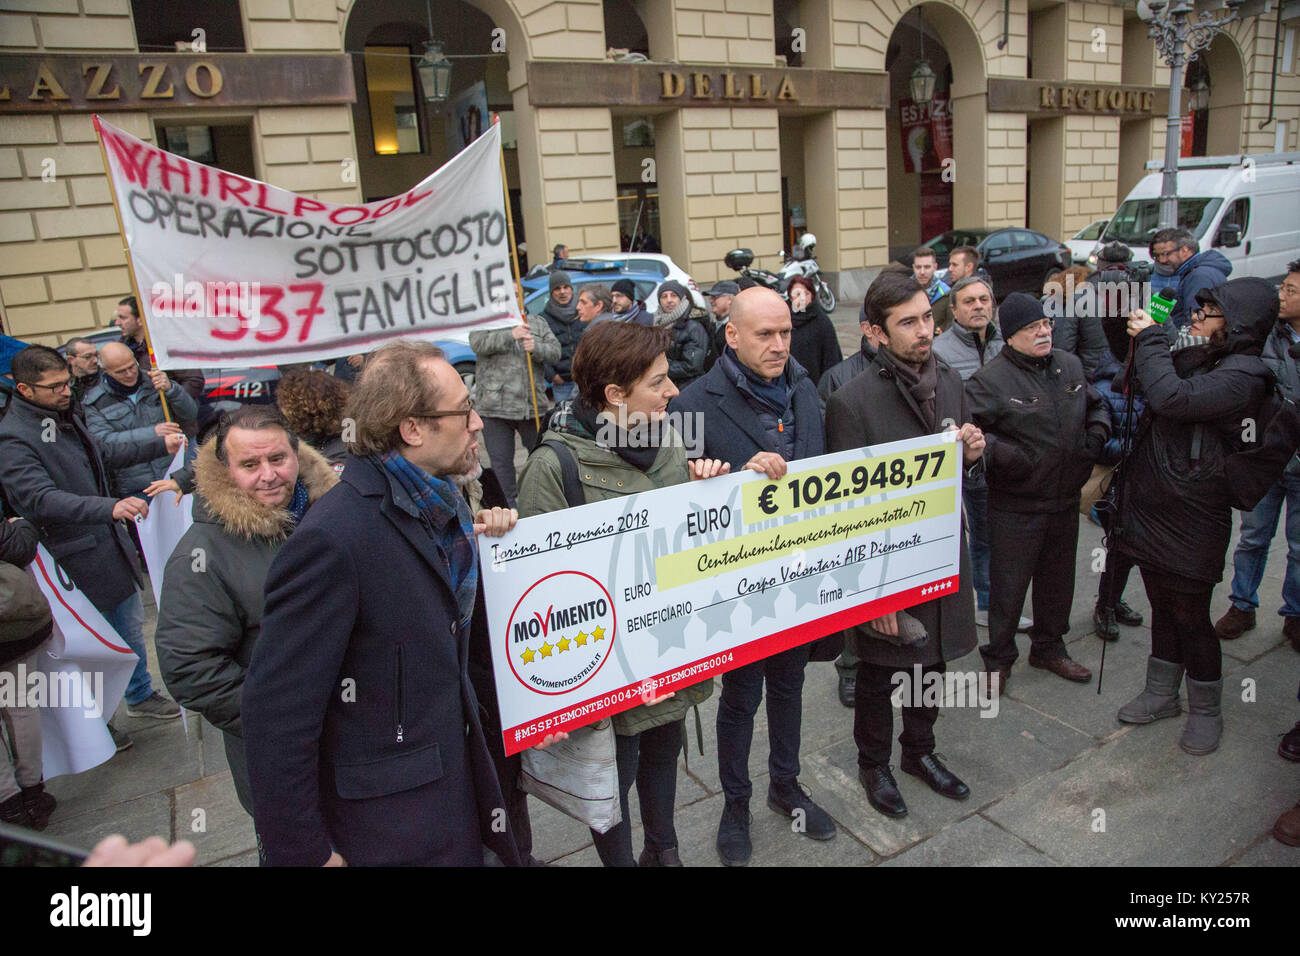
(514, 269)
(130, 266)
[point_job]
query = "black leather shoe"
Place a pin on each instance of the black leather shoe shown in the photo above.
(668, 857)
(941, 780)
(1103, 624)
(882, 791)
(848, 689)
(1126, 615)
(790, 800)
(734, 847)
(1290, 745)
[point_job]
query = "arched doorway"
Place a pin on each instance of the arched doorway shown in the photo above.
(935, 151)
(401, 138)
(1214, 98)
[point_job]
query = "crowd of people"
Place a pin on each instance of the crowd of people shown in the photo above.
(336, 632)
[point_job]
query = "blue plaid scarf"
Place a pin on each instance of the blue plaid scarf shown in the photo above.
(297, 506)
(440, 502)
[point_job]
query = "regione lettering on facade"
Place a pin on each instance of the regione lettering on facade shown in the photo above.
(233, 271)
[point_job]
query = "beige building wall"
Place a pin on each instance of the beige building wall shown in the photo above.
(719, 185)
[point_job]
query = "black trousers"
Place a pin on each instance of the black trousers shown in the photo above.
(873, 716)
(650, 760)
(1181, 628)
(1023, 548)
(499, 436)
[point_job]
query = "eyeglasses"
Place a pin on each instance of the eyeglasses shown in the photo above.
(63, 386)
(466, 412)
(1040, 325)
(1162, 256)
(1202, 314)
(1289, 289)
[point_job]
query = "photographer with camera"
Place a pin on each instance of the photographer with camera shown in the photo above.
(1174, 503)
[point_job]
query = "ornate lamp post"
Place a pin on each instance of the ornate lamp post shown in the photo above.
(1177, 41)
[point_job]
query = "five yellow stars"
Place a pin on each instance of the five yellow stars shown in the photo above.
(562, 645)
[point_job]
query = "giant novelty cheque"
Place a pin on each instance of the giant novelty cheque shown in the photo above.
(670, 587)
(233, 271)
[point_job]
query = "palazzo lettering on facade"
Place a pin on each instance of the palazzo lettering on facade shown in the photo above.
(733, 86)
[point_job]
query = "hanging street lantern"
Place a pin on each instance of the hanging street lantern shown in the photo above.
(435, 73)
(922, 82)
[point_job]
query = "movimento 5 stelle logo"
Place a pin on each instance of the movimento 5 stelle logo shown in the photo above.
(560, 632)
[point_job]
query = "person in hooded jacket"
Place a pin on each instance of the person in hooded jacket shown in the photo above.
(1181, 266)
(616, 434)
(813, 341)
(255, 481)
(689, 349)
(561, 314)
(1175, 503)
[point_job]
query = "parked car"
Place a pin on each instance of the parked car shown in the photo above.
(1084, 241)
(536, 292)
(1018, 259)
(661, 264)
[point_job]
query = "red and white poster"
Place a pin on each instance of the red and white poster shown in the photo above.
(238, 272)
(926, 130)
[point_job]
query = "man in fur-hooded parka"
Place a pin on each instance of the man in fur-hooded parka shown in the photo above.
(213, 586)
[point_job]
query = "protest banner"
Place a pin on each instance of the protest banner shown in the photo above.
(683, 583)
(232, 271)
(81, 676)
(163, 527)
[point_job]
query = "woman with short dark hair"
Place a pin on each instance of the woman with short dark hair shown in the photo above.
(813, 341)
(616, 432)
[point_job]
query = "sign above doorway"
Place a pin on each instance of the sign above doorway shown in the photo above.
(1055, 99)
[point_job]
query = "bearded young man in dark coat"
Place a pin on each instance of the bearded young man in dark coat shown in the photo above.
(905, 392)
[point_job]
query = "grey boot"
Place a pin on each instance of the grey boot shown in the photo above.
(1159, 698)
(1204, 722)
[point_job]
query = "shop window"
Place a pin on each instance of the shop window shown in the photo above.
(785, 20)
(394, 113)
(211, 25)
(624, 29)
(227, 146)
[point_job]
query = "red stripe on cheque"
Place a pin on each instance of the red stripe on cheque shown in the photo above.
(58, 593)
(614, 701)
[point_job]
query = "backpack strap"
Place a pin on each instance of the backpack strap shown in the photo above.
(573, 492)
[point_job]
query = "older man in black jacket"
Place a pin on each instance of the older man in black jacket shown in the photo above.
(760, 409)
(1046, 427)
(905, 393)
(361, 725)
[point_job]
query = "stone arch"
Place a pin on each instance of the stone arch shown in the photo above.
(964, 47)
(1226, 65)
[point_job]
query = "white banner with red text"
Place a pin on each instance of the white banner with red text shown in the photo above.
(81, 675)
(238, 272)
(667, 588)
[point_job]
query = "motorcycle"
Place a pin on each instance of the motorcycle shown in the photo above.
(741, 259)
(801, 262)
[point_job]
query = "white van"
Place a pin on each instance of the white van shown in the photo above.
(1247, 207)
